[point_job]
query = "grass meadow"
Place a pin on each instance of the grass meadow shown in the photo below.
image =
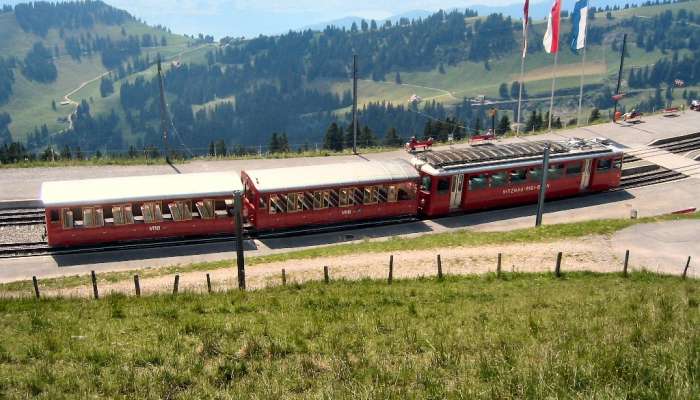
(518, 336)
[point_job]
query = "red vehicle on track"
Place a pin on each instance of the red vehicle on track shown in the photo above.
(506, 175)
(433, 184)
(295, 197)
(92, 211)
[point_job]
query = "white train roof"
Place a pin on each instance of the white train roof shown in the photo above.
(139, 188)
(484, 158)
(355, 173)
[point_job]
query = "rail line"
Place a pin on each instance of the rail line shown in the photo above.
(21, 217)
(636, 172)
(31, 249)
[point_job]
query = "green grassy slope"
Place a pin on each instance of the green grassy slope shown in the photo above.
(470, 79)
(30, 105)
(521, 336)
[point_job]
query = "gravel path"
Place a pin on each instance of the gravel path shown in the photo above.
(590, 253)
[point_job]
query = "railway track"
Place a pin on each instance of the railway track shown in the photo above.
(21, 217)
(31, 249)
(636, 172)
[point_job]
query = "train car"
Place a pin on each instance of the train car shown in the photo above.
(284, 198)
(93, 211)
(493, 176)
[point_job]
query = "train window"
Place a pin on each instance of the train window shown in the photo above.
(318, 200)
(93, 217)
(518, 176)
(534, 174)
(344, 197)
(278, 203)
(370, 195)
(499, 179)
(406, 191)
(478, 182)
(262, 204)
(573, 169)
(293, 202)
(391, 194)
(618, 164)
(67, 218)
(55, 216)
(426, 183)
(443, 185)
(326, 199)
(305, 201)
(555, 171)
(122, 215)
(180, 210)
(151, 212)
(604, 165)
(205, 209)
(381, 194)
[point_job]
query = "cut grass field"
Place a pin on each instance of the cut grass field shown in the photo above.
(519, 336)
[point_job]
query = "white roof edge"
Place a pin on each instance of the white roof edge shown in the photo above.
(428, 169)
(355, 173)
(139, 188)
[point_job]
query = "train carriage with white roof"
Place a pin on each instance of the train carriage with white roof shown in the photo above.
(493, 176)
(93, 211)
(283, 198)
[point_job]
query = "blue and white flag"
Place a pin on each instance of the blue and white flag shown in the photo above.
(579, 19)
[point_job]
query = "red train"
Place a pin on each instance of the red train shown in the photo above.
(433, 184)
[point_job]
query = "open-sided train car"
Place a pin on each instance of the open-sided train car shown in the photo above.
(493, 176)
(283, 198)
(92, 211)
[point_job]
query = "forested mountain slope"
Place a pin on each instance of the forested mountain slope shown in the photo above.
(297, 84)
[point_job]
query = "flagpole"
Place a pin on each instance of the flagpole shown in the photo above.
(520, 94)
(554, 79)
(583, 72)
(526, 22)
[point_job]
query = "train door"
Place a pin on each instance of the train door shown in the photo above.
(456, 187)
(586, 175)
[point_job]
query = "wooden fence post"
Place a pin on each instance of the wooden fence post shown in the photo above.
(326, 276)
(557, 269)
(94, 285)
(208, 284)
(176, 283)
(284, 277)
(36, 286)
(685, 271)
(391, 269)
(137, 286)
(498, 266)
(627, 261)
(439, 265)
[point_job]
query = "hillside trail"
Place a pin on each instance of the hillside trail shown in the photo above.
(593, 253)
(67, 96)
(444, 93)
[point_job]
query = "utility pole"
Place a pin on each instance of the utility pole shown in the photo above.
(543, 186)
(240, 260)
(619, 74)
(493, 112)
(354, 103)
(163, 113)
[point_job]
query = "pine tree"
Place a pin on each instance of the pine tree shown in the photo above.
(53, 105)
(392, 138)
(595, 115)
(503, 91)
(366, 137)
(274, 146)
(397, 79)
(334, 138)
(503, 125)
